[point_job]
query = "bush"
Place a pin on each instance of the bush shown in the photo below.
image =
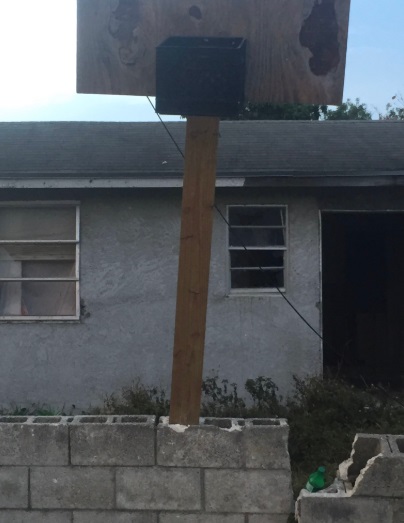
(325, 414)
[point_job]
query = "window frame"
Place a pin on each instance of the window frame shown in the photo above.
(259, 291)
(75, 278)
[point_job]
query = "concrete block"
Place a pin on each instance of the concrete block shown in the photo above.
(128, 441)
(38, 516)
(202, 518)
(114, 516)
(364, 448)
(158, 489)
(266, 444)
(214, 443)
(398, 511)
(70, 488)
(396, 444)
(336, 509)
(268, 518)
(255, 491)
(13, 487)
(382, 477)
(31, 443)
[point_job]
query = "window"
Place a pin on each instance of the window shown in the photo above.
(262, 230)
(39, 261)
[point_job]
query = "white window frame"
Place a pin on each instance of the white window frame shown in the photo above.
(75, 278)
(254, 291)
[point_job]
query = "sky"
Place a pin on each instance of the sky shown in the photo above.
(38, 63)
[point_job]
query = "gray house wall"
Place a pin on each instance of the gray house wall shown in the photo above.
(129, 255)
(130, 238)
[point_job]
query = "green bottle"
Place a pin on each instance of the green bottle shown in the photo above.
(316, 480)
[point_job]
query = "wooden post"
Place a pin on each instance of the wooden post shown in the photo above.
(193, 272)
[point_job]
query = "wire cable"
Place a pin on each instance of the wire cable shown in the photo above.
(298, 313)
(231, 227)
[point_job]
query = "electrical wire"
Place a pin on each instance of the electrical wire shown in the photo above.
(293, 307)
(231, 227)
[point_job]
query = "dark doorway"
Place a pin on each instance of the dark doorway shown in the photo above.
(363, 296)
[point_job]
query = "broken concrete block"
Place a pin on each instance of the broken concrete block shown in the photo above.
(374, 486)
(383, 476)
(364, 447)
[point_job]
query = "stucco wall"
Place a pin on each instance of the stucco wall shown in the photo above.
(129, 256)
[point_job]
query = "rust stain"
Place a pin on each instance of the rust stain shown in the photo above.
(123, 25)
(319, 34)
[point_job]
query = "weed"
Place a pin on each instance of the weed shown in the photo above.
(264, 394)
(35, 409)
(220, 399)
(323, 414)
(136, 399)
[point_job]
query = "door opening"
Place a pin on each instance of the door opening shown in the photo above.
(363, 296)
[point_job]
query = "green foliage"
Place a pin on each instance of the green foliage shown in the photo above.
(220, 399)
(136, 399)
(264, 394)
(394, 109)
(349, 110)
(34, 410)
(325, 414)
(268, 111)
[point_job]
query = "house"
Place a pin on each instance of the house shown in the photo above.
(89, 239)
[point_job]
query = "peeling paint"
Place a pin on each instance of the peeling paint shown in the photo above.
(364, 471)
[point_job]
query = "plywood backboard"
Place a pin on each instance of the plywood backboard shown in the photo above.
(296, 49)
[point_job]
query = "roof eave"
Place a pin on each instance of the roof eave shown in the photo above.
(224, 179)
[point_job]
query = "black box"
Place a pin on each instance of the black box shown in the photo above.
(198, 76)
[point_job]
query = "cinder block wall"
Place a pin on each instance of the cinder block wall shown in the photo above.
(369, 487)
(124, 469)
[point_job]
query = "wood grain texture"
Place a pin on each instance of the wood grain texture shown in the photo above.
(296, 49)
(193, 271)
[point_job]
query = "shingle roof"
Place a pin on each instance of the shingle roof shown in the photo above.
(246, 148)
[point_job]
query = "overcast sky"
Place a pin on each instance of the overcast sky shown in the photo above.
(38, 69)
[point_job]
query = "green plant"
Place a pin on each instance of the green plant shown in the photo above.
(35, 409)
(136, 399)
(264, 393)
(220, 398)
(325, 414)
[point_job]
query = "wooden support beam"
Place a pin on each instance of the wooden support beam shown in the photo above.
(193, 271)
